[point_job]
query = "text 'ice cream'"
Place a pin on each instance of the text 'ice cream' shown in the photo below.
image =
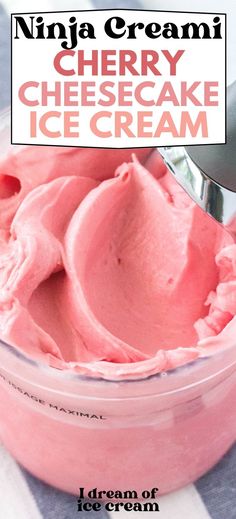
(107, 267)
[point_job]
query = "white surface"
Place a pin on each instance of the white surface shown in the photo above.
(16, 500)
(185, 503)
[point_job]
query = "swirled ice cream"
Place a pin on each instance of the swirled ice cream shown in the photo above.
(110, 271)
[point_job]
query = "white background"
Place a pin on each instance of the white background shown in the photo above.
(226, 6)
(203, 60)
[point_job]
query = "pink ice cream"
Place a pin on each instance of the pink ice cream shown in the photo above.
(110, 272)
(116, 273)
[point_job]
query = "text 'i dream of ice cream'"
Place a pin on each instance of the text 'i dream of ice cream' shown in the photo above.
(146, 94)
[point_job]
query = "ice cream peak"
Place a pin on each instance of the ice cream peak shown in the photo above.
(121, 278)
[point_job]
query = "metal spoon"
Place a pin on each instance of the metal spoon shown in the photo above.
(208, 173)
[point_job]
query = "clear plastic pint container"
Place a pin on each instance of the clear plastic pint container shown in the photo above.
(73, 431)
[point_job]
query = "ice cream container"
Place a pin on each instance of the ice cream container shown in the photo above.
(72, 431)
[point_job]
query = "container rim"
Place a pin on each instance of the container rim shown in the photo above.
(71, 375)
